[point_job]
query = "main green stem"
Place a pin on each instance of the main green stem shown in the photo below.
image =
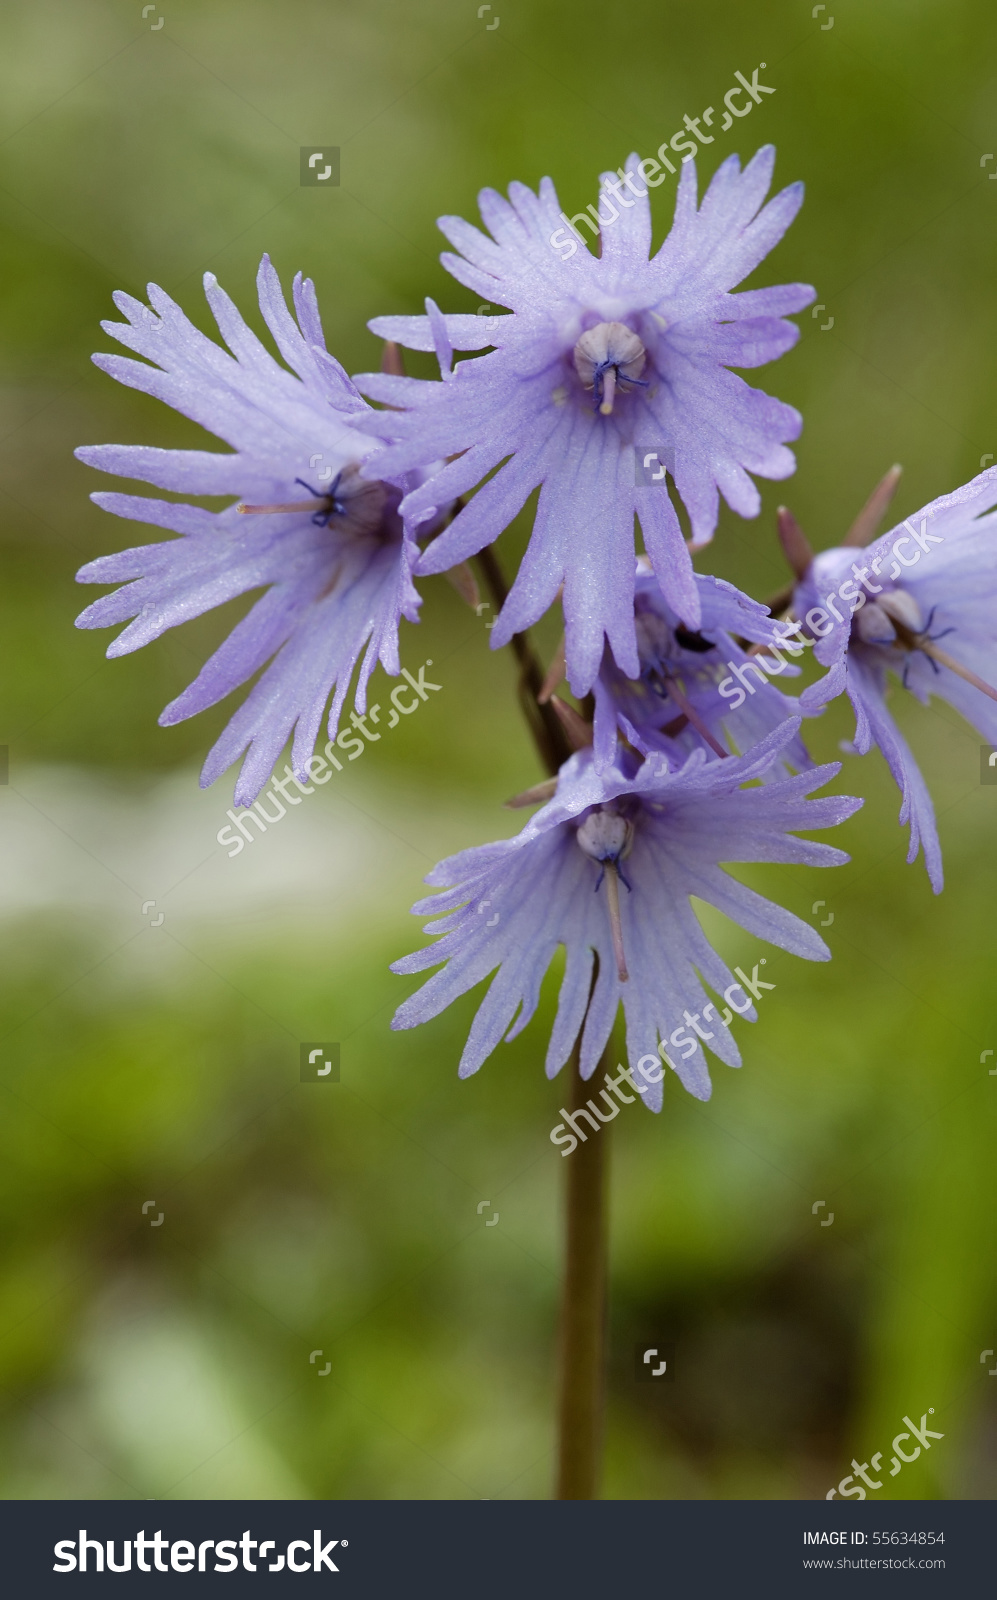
(583, 1308)
(582, 1353)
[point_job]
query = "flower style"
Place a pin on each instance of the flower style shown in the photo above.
(685, 697)
(330, 547)
(932, 578)
(601, 355)
(659, 833)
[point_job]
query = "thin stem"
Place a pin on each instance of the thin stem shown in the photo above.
(583, 1293)
(583, 1306)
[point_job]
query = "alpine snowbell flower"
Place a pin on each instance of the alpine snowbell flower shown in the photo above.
(923, 605)
(689, 694)
(604, 359)
(328, 545)
(607, 869)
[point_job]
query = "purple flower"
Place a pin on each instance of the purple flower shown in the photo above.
(607, 868)
(922, 604)
(698, 688)
(329, 546)
(604, 361)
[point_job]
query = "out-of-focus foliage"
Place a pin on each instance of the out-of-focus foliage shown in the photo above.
(161, 1064)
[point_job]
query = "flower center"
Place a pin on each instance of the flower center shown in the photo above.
(894, 619)
(659, 650)
(607, 837)
(358, 504)
(887, 618)
(608, 354)
(658, 643)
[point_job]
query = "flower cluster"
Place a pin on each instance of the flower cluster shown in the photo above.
(336, 507)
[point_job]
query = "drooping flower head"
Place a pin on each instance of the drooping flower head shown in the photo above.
(698, 688)
(612, 373)
(607, 870)
(330, 547)
(921, 603)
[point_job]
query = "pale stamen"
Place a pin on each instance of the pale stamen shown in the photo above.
(358, 504)
(615, 925)
(606, 837)
(685, 705)
(290, 505)
(608, 390)
(945, 660)
(920, 641)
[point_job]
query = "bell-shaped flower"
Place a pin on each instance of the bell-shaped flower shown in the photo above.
(920, 603)
(608, 869)
(329, 547)
(610, 376)
(699, 688)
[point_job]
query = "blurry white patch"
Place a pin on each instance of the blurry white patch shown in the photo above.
(143, 857)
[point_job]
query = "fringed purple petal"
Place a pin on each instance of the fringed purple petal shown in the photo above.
(525, 399)
(336, 586)
(510, 905)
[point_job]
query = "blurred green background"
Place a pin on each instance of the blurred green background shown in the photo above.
(159, 1064)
